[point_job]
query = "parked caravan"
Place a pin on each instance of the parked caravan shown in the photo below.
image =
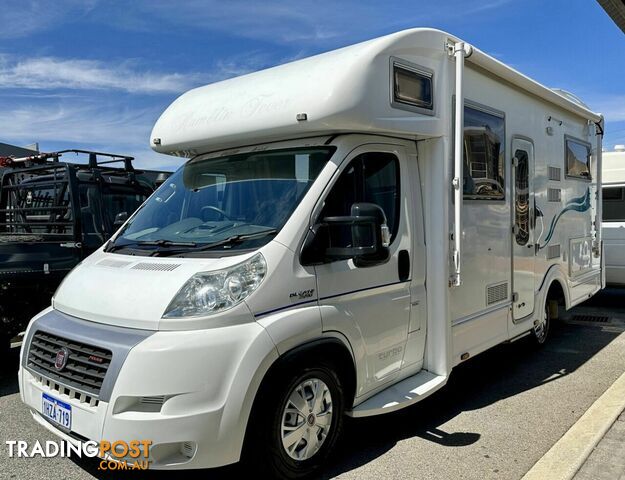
(348, 228)
(613, 226)
(52, 215)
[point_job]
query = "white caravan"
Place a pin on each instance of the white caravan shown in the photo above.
(613, 226)
(349, 227)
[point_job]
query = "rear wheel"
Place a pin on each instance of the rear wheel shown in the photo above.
(303, 417)
(543, 323)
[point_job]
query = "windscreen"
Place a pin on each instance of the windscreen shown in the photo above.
(231, 202)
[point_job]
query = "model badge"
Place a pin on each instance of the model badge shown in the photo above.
(62, 356)
(302, 294)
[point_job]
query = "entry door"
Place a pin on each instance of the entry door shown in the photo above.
(371, 305)
(523, 248)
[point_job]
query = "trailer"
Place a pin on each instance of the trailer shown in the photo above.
(349, 227)
(53, 214)
(613, 227)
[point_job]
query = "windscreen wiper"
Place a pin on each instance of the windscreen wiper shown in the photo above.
(220, 243)
(159, 243)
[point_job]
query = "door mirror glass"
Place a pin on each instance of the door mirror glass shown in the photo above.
(362, 236)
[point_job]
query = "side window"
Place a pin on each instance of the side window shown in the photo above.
(613, 204)
(370, 177)
(483, 155)
(522, 197)
(412, 87)
(577, 159)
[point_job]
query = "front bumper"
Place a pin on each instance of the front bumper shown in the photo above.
(189, 393)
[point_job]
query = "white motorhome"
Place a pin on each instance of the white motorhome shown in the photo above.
(349, 228)
(613, 226)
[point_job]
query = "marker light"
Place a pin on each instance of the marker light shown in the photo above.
(206, 293)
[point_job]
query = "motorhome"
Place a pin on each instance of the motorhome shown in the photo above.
(613, 226)
(348, 228)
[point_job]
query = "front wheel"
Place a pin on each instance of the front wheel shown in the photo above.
(304, 417)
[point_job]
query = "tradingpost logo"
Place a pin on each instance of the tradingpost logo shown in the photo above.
(118, 455)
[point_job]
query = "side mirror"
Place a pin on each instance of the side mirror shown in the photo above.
(120, 219)
(362, 236)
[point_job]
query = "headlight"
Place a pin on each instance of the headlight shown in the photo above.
(206, 293)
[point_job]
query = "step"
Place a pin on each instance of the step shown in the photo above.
(407, 392)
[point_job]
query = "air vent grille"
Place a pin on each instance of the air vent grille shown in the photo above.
(555, 173)
(156, 400)
(156, 267)
(187, 449)
(553, 251)
(496, 293)
(107, 262)
(554, 194)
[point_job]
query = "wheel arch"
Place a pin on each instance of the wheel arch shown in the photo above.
(331, 348)
(554, 286)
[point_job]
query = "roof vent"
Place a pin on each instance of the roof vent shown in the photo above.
(570, 97)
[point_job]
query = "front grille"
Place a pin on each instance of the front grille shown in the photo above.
(86, 365)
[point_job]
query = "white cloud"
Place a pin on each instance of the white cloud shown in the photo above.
(57, 73)
(88, 125)
(80, 122)
(323, 22)
(52, 73)
(20, 18)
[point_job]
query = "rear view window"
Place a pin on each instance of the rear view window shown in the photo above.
(614, 204)
(412, 87)
(577, 159)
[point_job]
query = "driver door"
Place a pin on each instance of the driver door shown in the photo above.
(371, 305)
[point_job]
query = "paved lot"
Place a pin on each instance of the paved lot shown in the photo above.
(499, 413)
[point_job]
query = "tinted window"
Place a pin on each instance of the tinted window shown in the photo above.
(372, 178)
(483, 155)
(412, 87)
(577, 159)
(614, 204)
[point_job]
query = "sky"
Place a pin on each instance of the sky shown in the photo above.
(96, 74)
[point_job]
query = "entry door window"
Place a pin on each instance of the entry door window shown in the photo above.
(370, 177)
(522, 197)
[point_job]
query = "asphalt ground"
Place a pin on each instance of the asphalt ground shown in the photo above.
(498, 414)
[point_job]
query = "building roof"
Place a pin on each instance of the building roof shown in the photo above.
(7, 150)
(616, 10)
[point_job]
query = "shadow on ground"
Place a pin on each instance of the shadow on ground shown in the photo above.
(9, 362)
(501, 372)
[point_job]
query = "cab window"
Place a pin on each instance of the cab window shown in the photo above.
(373, 178)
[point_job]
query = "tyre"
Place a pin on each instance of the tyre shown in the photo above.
(299, 419)
(540, 332)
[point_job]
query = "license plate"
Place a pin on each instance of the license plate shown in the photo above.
(57, 411)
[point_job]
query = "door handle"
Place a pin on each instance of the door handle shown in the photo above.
(403, 265)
